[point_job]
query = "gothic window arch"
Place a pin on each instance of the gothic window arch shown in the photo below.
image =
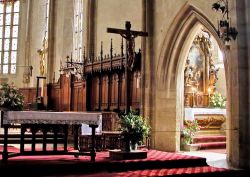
(78, 30)
(9, 27)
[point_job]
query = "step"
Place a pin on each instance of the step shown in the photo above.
(211, 145)
(211, 132)
(201, 139)
(204, 171)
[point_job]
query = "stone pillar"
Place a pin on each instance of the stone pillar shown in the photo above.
(27, 62)
(91, 28)
(50, 56)
(148, 66)
(143, 56)
(240, 145)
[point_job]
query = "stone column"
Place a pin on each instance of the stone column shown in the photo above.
(91, 28)
(50, 56)
(240, 123)
(148, 66)
(27, 62)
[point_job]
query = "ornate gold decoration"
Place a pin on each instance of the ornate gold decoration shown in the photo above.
(42, 52)
(200, 73)
(210, 121)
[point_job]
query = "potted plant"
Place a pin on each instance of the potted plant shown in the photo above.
(10, 98)
(134, 129)
(187, 133)
(217, 100)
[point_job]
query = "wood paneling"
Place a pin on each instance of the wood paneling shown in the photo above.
(105, 87)
(114, 92)
(79, 96)
(29, 96)
(65, 94)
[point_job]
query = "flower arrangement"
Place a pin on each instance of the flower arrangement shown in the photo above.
(11, 98)
(188, 131)
(217, 100)
(134, 128)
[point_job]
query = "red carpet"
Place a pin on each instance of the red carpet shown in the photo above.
(158, 163)
(210, 142)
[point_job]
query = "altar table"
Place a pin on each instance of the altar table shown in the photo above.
(56, 123)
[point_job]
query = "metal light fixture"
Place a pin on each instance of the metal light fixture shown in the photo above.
(225, 31)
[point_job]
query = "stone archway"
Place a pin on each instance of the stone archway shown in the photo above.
(169, 90)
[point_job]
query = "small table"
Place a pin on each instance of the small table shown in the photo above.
(44, 122)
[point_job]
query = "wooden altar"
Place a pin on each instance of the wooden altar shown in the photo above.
(49, 122)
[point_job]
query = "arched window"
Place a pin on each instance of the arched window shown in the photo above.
(9, 25)
(78, 30)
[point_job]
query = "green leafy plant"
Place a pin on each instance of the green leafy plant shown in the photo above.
(134, 127)
(188, 131)
(217, 100)
(10, 98)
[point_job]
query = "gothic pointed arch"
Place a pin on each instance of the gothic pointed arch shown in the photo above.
(170, 71)
(181, 33)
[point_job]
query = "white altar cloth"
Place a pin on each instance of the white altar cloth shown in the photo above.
(44, 117)
(191, 112)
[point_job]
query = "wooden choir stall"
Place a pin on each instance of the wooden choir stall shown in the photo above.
(96, 84)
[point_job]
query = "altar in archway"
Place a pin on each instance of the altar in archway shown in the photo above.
(207, 118)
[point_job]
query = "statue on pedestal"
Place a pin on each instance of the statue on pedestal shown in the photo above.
(188, 73)
(42, 53)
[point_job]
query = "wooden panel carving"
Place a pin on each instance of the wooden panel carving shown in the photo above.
(105, 87)
(29, 96)
(79, 96)
(55, 97)
(114, 92)
(136, 91)
(122, 103)
(95, 93)
(110, 121)
(65, 93)
(210, 121)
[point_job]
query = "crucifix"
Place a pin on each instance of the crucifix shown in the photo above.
(129, 36)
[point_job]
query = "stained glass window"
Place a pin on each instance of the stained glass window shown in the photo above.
(78, 30)
(9, 21)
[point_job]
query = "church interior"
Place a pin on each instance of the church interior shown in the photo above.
(79, 66)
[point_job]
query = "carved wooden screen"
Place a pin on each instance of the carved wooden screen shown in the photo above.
(136, 90)
(114, 92)
(79, 96)
(65, 92)
(122, 104)
(29, 95)
(55, 97)
(95, 93)
(105, 89)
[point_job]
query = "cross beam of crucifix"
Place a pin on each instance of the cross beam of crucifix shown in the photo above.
(129, 36)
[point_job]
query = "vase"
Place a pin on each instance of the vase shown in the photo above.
(133, 146)
(127, 146)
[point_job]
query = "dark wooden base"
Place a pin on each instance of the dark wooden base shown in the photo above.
(124, 155)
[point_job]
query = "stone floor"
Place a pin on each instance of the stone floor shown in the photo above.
(216, 158)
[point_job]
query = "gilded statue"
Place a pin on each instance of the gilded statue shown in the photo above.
(188, 73)
(42, 53)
